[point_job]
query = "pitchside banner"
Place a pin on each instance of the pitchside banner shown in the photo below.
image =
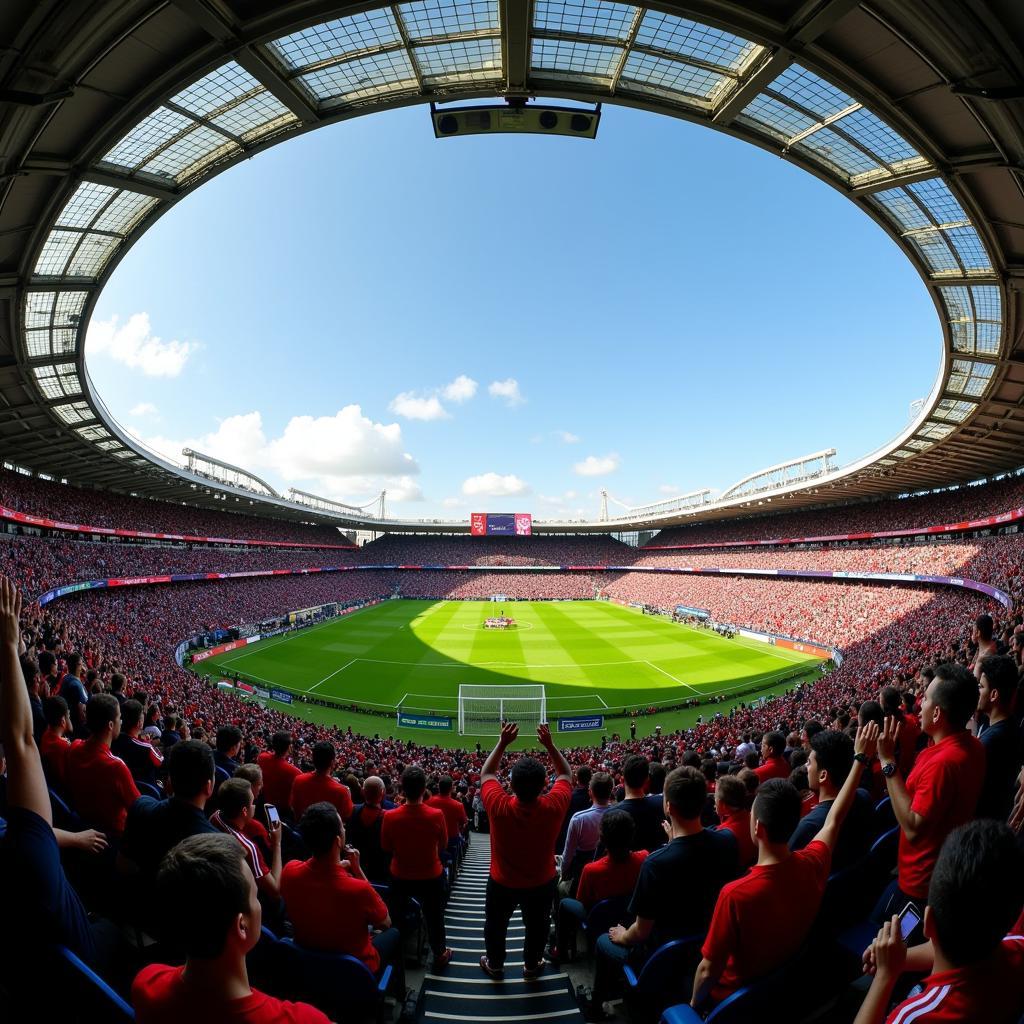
(407, 721)
(581, 723)
(501, 524)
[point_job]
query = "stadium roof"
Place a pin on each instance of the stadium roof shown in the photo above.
(112, 110)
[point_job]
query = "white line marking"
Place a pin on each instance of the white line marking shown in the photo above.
(490, 981)
(496, 995)
(657, 668)
(574, 1012)
(332, 675)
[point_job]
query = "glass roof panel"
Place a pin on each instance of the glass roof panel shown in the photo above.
(901, 209)
(92, 433)
(780, 119)
(936, 431)
(988, 302)
(937, 255)
(874, 134)
(57, 342)
(970, 378)
(75, 412)
(970, 248)
(146, 137)
(92, 255)
(38, 309)
(559, 57)
(811, 92)
(375, 75)
(428, 19)
(987, 338)
(47, 382)
(37, 343)
(125, 212)
(107, 446)
(335, 38)
(691, 39)
(828, 147)
(957, 299)
(918, 444)
(56, 252)
(939, 201)
(255, 116)
(953, 411)
(69, 307)
(450, 62)
(220, 88)
(670, 76)
(584, 18)
(190, 154)
(88, 199)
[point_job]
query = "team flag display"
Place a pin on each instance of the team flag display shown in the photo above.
(501, 524)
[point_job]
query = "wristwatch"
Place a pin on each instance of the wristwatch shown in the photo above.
(862, 759)
(888, 769)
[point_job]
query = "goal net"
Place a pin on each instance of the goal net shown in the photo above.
(482, 708)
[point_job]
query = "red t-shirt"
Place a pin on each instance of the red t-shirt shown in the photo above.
(278, 775)
(909, 733)
(415, 835)
(253, 854)
(454, 814)
(332, 911)
(944, 788)
(761, 919)
(159, 996)
(991, 991)
(100, 786)
(53, 750)
(523, 835)
(738, 823)
(602, 879)
(773, 768)
(310, 788)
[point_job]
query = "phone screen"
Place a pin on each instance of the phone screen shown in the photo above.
(272, 816)
(909, 920)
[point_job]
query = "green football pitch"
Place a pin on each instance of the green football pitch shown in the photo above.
(590, 656)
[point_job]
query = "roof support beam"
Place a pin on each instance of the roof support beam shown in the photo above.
(516, 19)
(816, 17)
(758, 78)
(252, 60)
(131, 184)
(403, 31)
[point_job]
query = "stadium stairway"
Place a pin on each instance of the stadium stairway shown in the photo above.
(463, 992)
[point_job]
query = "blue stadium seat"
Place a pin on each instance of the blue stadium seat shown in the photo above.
(148, 789)
(885, 818)
(602, 916)
(881, 860)
(63, 816)
(94, 999)
(407, 922)
(666, 977)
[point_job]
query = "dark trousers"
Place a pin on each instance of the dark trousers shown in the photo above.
(430, 894)
(892, 901)
(568, 918)
(501, 904)
(388, 944)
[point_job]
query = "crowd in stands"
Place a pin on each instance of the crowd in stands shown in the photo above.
(951, 506)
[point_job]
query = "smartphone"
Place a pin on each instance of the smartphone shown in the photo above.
(909, 920)
(273, 818)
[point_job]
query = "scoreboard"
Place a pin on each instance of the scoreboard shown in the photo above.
(501, 524)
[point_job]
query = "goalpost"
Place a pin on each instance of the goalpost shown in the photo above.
(482, 708)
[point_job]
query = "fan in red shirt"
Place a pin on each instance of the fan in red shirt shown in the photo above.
(454, 813)
(943, 789)
(773, 760)
(761, 919)
(54, 744)
(976, 968)
(330, 902)
(99, 784)
(278, 772)
(416, 835)
(524, 828)
(733, 816)
(216, 922)
(319, 786)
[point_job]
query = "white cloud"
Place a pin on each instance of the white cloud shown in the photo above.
(143, 409)
(508, 390)
(566, 437)
(134, 345)
(462, 389)
(594, 465)
(418, 407)
(493, 485)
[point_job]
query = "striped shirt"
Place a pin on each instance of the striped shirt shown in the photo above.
(253, 857)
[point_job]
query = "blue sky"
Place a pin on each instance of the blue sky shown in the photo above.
(513, 323)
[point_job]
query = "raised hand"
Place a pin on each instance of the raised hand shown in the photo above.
(509, 733)
(867, 739)
(544, 735)
(10, 612)
(887, 740)
(890, 951)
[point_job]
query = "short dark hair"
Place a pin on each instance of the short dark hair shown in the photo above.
(414, 781)
(583, 775)
(731, 791)
(131, 714)
(812, 728)
(777, 807)
(101, 710)
(46, 662)
(54, 710)
(601, 786)
(444, 785)
(686, 791)
(116, 682)
(656, 772)
(228, 736)
(775, 741)
(233, 796)
(617, 831)
(323, 755)
(73, 661)
(1001, 673)
(190, 767)
(319, 827)
(834, 754)
(956, 692)
(528, 778)
(871, 711)
(281, 741)
(890, 699)
(635, 771)
(976, 890)
(206, 874)
(984, 626)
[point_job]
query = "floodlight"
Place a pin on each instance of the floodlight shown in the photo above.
(515, 118)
